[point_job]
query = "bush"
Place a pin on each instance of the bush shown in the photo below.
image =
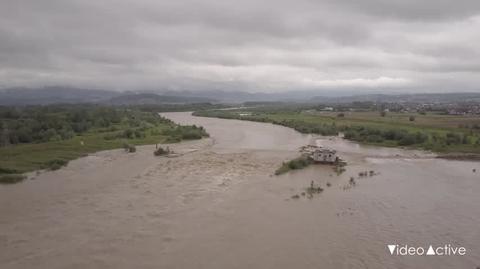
(453, 138)
(411, 118)
(407, 140)
(298, 163)
(374, 139)
(56, 164)
(129, 148)
(161, 151)
(188, 132)
(129, 133)
(7, 171)
(11, 178)
(139, 134)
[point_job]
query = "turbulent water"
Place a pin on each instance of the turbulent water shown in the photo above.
(218, 205)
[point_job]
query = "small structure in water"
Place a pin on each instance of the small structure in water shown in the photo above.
(321, 154)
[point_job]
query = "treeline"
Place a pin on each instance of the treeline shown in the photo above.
(37, 124)
(376, 135)
(51, 123)
(179, 107)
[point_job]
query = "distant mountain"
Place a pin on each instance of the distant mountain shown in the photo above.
(407, 98)
(65, 95)
(52, 95)
(155, 99)
(224, 96)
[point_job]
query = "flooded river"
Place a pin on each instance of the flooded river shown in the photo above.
(219, 205)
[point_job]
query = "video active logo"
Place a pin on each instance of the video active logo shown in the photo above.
(444, 250)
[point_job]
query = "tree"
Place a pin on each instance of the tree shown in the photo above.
(4, 137)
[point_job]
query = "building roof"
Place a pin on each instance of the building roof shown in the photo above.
(325, 150)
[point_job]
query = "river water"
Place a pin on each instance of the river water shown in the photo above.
(219, 205)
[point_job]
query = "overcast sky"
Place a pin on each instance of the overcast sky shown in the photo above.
(251, 45)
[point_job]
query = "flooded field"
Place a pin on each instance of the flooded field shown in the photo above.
(219, 205)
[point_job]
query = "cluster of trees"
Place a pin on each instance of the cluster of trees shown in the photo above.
(47, 123)
(473, 126)
(310, 128)
(35, 124)
(378, 135)
(179, 107)
(185, 132)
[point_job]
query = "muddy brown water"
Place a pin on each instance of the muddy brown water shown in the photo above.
(219, 206)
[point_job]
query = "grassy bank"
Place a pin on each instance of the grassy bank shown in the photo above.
(132, 127)
(439, 133)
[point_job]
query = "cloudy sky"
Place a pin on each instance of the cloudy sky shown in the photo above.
(251, 45)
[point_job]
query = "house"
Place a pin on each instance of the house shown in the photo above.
(320, 154)
(324, 155)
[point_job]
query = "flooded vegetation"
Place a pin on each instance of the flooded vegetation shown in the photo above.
(48, 137)
(297, 163)
(219, 204)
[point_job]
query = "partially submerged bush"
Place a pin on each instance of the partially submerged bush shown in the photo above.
(56, 164)
(129, 148)
(313, 189)
(161, 151)
(298, 163)
(187, 132)
(11, 178)
(339, 169)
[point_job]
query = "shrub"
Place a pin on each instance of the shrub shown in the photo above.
(407, 140)
(374, 139)
(7, 171)
(56, 164)
(453, 138)
(139, 134)
(11, 178)
(129, 133)
(313, 189)
(129, 148)
(161, 151)
(298, 163)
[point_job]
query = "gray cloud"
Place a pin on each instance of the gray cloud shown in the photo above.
(241, 45)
